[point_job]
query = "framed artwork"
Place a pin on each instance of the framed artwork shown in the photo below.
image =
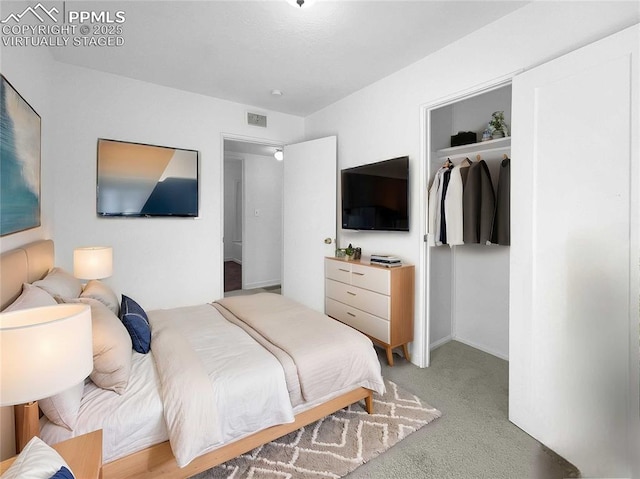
(20, 139)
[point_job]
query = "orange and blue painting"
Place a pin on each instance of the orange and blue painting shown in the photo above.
(19, 162)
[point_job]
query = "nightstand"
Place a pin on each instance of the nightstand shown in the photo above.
(82, 453)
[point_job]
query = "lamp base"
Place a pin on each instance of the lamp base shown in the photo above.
(27, 423)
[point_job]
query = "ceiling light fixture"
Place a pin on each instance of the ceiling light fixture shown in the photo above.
(278, 155)
(276, 92)
(301, 3)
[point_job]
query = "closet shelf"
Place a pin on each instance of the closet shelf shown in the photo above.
(474, 148)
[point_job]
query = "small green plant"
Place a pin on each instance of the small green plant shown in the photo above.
(349, 250)
(498, 124)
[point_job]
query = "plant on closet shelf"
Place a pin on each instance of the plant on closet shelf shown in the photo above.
(498, 126)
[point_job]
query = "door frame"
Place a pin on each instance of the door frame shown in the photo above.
(245, 139)
(423, 357)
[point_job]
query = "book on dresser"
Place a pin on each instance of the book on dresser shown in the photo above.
(375, 300)
(385, 260)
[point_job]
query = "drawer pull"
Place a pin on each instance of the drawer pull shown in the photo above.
(352, 294)
(345, 270)
(359, 274)
(351, 314)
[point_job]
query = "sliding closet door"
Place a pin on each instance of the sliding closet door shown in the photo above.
(574, 254)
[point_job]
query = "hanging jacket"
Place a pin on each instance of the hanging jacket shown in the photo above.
(479, 202)
(501, 231)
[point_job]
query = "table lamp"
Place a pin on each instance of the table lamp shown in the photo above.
(43, 351)
(93, 262)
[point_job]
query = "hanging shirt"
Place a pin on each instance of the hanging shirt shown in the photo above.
(433, 224)
(453, 207)
(446, 177)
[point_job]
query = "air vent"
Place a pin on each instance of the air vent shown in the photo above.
(257, 120)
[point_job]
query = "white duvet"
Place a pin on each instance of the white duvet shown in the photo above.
(206, 382)
(136, 419)
(130, 422)
(228, 408)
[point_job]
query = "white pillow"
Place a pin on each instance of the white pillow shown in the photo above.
(112, 348)
(36, 461)
(60, 283)
(31, 297)
(62, 409)
(98, 290)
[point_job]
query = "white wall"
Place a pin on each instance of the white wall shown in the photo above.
(383, 120)
(159, 262)
(29, 71)
(233, 210)
(262, 264)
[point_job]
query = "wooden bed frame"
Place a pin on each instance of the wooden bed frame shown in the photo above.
(32, 262)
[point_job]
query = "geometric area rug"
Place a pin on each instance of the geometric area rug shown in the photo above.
(335, 445)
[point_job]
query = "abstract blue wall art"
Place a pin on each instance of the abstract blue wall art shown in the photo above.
(19, 162)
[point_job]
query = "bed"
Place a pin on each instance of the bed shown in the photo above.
(290, 376)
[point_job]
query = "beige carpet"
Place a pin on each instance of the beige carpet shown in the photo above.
(335, 445)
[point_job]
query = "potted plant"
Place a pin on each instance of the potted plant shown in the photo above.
(349, 251)
(498, 126)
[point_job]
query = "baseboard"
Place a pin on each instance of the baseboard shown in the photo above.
(446, 339)
(482, 348)
(262, 284)
(440, 342)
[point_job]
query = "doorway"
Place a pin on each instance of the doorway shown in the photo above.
(252, 229)
(466, 283)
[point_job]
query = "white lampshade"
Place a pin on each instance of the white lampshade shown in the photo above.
(44, 351)
(93, 262)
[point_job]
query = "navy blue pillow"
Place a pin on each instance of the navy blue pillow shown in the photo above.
(137, 323)
(63, 473)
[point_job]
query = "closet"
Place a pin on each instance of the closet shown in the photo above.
(570, 315)
(468, 284)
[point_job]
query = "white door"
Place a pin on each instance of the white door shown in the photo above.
(309, 217)
(574, 254)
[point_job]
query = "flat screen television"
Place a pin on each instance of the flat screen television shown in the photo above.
(376, 196)
(141, 180)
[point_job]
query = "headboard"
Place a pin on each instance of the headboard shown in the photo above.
(26, 264)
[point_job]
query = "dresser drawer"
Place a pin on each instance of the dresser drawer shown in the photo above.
(363, 322)
(374, 303)
(338, 270)
(372, 278)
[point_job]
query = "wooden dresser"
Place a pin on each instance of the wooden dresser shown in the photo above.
(375, 300)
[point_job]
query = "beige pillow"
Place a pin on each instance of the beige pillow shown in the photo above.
(112, 348)
(98, 290)
(62, 409)
(31, 297)
(60, 283)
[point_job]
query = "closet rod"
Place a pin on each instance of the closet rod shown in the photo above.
(463, 155)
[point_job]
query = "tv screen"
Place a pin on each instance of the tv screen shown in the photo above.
(376, 196)
(146, 180)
